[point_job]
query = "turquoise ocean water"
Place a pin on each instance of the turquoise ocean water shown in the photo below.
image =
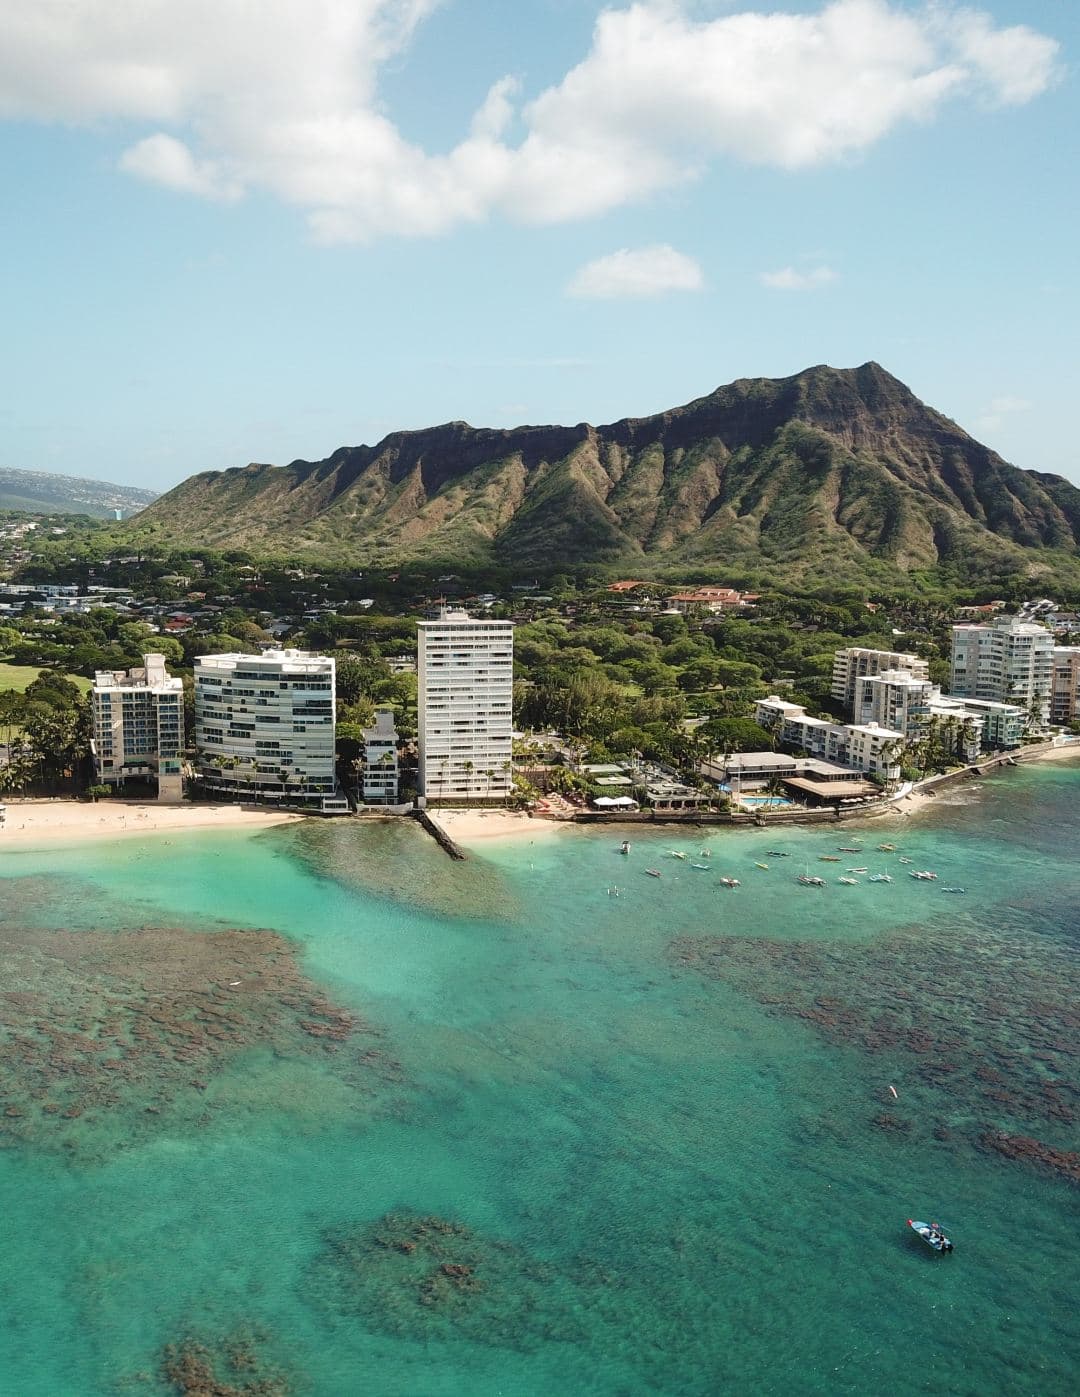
(567, 1142)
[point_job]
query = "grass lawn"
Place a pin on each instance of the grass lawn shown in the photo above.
(19, 677)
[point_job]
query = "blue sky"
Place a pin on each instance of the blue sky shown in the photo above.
(239, 231)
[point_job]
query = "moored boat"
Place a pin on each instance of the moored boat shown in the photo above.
(811, 880)
(653, 873)
(931, 1234)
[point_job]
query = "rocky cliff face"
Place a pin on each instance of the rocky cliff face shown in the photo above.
(829, 468)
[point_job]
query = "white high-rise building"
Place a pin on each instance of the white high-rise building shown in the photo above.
(465, 673)
(857, 662)
(1007, 661)
(264, 725)
(138, 726)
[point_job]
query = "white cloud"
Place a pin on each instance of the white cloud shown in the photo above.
(168, 161)
(791, 279)
(637, 272)
(999, 409)
(223, 96)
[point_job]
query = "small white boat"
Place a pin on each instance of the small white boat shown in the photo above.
(851, 882)
(730, 883)
(653, 873)
(923, 875)
(904, 860)
(705, 867)
(625, 849)
(676, 853)
(761, 865)
(858, 870)
(811, 880)
(887, 848)
(954, 890)
(880, 878)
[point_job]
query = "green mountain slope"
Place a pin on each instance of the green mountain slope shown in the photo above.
(40, 492)
(829, 469)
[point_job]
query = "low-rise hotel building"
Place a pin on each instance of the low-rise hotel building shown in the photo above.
(138, 727)
(264, 726)
(866, 747)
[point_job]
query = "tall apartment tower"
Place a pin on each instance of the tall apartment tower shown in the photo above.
(465, 673)
(856, 662)
(138, 726)
(1065, 691)
(264, 726)
(1007, 661)
(380, 779)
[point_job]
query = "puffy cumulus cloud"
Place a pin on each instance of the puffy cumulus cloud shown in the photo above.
(168, 161)
(279, 96)
(637, 272)
(791, 279)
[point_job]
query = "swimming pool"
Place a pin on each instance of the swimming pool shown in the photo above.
(772, 801)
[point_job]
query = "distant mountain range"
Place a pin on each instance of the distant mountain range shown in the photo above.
(40, 492)
(830, 473)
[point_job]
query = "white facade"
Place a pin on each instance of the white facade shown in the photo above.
(138, 726)
(465, 674)
(856, 662)
(1007, 661)
(380, 780)
(264, 724)
(866, 747)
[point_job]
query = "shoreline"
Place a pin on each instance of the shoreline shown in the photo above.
(40, 824)
(481, 826)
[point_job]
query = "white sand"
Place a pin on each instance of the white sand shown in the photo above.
(36, 823)
(483, 826)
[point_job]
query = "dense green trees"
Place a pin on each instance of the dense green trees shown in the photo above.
(46, 731)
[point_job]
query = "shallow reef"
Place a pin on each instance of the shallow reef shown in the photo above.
(980, 1026)
(430, 1277)
(136, 1023)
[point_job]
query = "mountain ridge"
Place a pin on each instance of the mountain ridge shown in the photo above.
(826, 468)
(45, 492)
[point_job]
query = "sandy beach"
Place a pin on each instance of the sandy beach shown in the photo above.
(35, 823)
(483, 826)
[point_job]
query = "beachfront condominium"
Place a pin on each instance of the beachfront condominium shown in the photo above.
(1007, 661)
(465, 673)
(856, 662)
(1065, 690)
(138, 727)
(380, 778)
(264, 726)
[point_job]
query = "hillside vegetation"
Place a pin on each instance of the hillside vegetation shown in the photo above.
(41, 492)
(829, 472)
